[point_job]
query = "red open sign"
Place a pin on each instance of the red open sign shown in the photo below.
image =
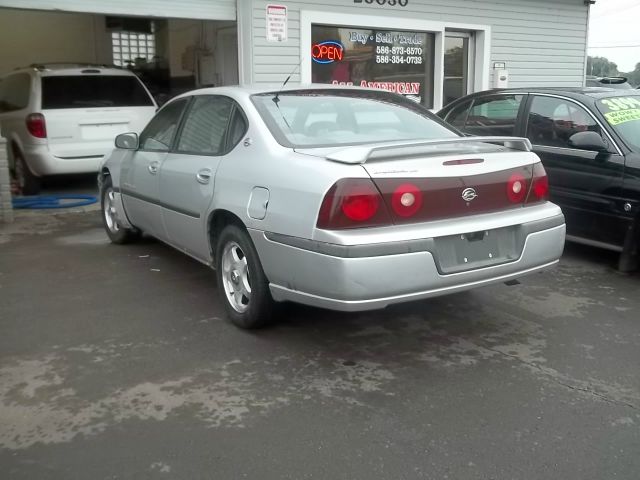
(327, 52)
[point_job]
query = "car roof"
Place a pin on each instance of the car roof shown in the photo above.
(53, 69)
(572, 92)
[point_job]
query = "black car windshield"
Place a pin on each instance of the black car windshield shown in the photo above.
(328, 118)
(623, 114)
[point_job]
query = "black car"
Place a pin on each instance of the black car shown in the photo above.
(589, 143)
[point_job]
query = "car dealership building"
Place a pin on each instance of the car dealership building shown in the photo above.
(431, 50)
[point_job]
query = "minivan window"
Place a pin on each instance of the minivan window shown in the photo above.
(326, 118)
(92, 91)
(14, 92)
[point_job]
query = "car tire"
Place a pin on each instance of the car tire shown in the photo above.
(242, 285)
(115, 231)
(629, 259)
(28, 183)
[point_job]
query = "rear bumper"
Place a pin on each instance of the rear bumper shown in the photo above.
(355, 283)
(42, 162)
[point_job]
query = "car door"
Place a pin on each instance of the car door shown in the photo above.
(583, 183)
(140, 179)
(187, 175)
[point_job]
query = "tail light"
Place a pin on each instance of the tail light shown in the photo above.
(539, 185)
(353, 203)
(406, 200)
(517, 188)
(36, 125)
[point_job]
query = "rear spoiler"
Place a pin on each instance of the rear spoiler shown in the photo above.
(360, 154)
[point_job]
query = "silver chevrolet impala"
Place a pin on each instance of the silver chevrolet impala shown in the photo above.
(342, 198)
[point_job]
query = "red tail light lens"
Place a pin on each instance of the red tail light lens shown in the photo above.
(540, 185)
(406, 200)
(352, 203)
(516, 188)
(36, 125)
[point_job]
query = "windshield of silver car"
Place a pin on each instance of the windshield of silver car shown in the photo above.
(623, 114)
(335, 118)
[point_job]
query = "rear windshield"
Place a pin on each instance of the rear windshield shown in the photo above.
(327, 118)
(88, 91)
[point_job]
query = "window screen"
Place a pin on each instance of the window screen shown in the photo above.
(89, 91)
(205, 126)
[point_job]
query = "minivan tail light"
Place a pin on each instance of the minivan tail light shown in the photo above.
(37, 125)
(539, 185)
(352, 203)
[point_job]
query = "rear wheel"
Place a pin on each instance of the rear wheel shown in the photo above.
(28, 183)
(242, 285)
(116, 232)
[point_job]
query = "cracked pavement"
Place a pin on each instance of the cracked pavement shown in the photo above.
(115, 362)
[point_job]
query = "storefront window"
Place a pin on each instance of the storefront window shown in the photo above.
(398, 61)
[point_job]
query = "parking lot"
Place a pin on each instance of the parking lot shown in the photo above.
(115, 362)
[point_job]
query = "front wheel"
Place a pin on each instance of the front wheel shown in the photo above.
(242, 284)
(115, 231)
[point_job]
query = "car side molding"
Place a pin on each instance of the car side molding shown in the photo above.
(361, 154)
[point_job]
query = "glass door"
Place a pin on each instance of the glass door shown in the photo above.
(458, 65)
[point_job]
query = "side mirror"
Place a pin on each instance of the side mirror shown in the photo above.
(127, 141)
(588, 141)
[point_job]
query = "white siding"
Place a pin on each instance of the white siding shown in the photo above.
(197, 9)
(543, 42)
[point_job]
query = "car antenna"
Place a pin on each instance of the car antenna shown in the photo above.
(276, 98)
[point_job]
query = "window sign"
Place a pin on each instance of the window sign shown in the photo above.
(397, 61)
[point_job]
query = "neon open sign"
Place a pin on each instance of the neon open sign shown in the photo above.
(327, 51)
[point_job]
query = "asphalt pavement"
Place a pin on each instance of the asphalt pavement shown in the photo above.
(116, 363)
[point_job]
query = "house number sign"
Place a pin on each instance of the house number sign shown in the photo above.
(391, 3)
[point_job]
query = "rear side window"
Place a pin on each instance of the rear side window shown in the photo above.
(205, 126)
(458, 116)
(494, 115)
(93, 91)
(14, 92)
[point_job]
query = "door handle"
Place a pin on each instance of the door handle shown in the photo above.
(153, 168)
(203, 176)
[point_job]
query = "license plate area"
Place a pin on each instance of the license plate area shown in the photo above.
(471, 250)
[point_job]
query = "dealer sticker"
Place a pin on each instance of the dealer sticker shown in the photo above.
(621, 109)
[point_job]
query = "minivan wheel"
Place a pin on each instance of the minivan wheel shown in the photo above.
(242, 285)
(28, 183)
(115, 231)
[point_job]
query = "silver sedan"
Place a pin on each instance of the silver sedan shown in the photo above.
(342, 198)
